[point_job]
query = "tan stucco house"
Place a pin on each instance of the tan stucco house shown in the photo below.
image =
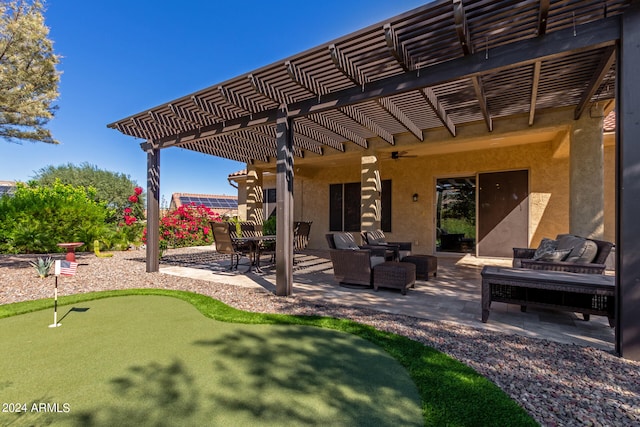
(362, 132)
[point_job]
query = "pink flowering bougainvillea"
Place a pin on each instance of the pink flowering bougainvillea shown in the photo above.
(188, 225)
(132, 223)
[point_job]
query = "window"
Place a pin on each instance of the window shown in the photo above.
(344, 206)
(269, 202)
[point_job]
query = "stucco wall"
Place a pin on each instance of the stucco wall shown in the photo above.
(415, 221)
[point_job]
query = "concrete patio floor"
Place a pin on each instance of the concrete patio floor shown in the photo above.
(453, 296)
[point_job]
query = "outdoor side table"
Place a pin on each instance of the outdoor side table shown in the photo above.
(71, 250)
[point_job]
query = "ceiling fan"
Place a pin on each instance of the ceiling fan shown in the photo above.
(395, 155)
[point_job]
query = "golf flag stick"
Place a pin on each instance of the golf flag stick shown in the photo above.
(55, 323)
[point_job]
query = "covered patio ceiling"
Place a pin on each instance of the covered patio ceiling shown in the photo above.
(441, 65)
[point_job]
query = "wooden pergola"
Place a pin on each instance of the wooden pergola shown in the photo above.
(447, 63)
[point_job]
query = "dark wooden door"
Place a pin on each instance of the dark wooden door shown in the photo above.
(503, 212)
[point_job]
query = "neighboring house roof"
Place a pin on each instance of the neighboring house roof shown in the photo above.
(221, 204)
(238, 174)
(7, 187)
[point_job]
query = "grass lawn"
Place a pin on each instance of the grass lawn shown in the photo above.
(147, 359)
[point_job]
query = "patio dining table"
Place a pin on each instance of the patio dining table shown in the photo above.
(256, 246)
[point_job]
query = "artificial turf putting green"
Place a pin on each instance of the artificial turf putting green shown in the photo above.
(149, 360)
(273, 373)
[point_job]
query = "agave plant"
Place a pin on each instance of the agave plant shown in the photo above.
(42, 266)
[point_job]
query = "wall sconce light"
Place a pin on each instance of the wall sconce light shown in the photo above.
(415, 197)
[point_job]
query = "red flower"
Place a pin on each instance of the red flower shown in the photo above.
(133, 198)
(127, 210)
(138, 191)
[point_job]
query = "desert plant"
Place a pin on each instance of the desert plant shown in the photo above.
(42, 266)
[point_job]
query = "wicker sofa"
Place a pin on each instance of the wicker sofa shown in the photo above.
(568, 253)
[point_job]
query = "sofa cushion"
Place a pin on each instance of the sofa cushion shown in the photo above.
(547, 246)
(375, 238)
(344, 241)
(584, 253)
(569, 241)
(557, 255)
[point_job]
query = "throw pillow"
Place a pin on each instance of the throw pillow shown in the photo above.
(584, 254)
(546, 246)
(558, 255)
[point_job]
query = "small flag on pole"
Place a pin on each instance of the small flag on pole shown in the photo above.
(65, 268)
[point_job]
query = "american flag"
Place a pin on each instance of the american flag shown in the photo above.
(65, 268)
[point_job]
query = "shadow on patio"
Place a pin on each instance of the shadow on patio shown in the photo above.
(452, 296)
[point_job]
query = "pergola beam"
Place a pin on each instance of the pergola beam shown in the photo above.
(543, 13)
(269, 92)
(604, 66)
(407, 63)
(537, 67)
(464, 38)
(462, 27)
(482, 100)
(307, 82)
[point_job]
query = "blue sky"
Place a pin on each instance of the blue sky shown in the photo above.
(120, 57)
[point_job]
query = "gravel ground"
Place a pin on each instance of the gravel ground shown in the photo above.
(558, 384)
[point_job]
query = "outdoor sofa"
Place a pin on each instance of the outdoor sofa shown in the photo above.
(568, 253)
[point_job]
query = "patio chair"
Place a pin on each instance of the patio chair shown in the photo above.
(377, 238)
(301, 232)
(353, 264)
(225, 244)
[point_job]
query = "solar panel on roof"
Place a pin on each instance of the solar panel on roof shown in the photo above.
(210, 202)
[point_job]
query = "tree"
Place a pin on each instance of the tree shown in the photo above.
(112, 188)
(28, 76)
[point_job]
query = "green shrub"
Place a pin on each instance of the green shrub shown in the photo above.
(459, 226)
(37, 217)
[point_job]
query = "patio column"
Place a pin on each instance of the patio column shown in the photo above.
(284, 203)
(586, 174)
(153, 210)
(254, 195)
(370, 194)
(628, 188)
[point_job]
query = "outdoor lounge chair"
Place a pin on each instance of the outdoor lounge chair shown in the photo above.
(353, 264)
(225, 244)
(377, 238)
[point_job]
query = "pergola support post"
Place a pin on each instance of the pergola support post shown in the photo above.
(153, 210)
(628, 188)
(284, 204)
(370, 204)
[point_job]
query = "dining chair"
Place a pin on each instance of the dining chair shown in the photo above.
(225, 244)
